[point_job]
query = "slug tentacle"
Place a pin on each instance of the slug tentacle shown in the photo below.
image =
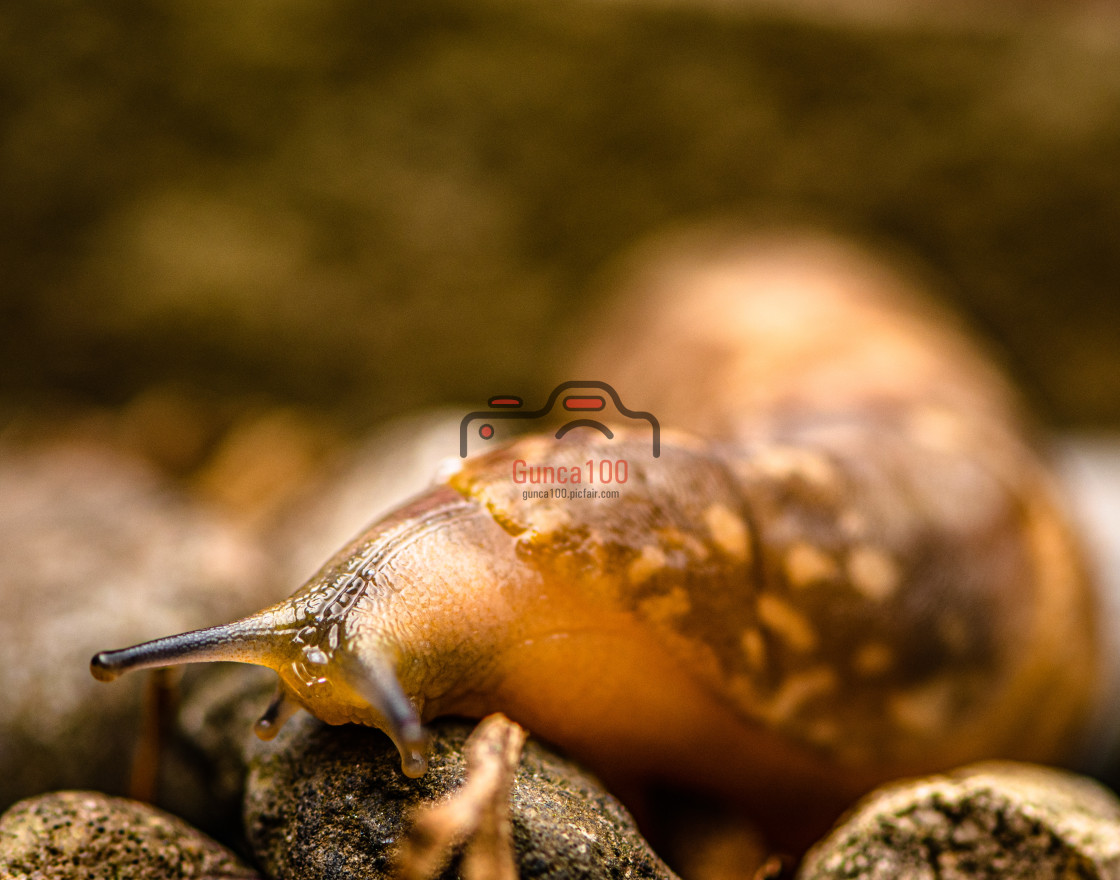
(250, 640)
(373, 682)
(278, 712)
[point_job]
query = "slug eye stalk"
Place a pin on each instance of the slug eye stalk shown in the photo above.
(244, 641)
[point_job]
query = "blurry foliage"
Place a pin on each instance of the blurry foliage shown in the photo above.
(361, 207)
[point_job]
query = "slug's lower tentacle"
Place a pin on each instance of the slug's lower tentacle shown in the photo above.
(278, 712)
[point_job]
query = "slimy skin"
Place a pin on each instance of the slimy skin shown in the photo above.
(845, 566)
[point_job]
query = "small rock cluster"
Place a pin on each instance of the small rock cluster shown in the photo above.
(327, 803)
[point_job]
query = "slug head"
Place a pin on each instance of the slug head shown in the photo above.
(337, 679)
(340, 643)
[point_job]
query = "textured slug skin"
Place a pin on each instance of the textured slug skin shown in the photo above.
(851, 567)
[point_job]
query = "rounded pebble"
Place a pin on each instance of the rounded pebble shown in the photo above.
(992, 820)
(332, 803)
(69, 835)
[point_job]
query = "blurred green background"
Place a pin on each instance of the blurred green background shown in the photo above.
(352, 208)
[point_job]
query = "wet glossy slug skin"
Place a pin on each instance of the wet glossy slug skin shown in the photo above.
(911, 596)
(846, 564)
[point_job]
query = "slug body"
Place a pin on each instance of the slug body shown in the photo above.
(845, 567)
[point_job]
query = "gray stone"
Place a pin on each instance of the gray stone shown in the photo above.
(76, 834)
(332, 803)
(991, 820)
(98, 553)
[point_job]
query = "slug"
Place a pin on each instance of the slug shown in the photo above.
(846, 564)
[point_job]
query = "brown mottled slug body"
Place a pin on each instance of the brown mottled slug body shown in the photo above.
(845, 565)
